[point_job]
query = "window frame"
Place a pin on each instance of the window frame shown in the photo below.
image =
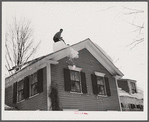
(21, 90)
(133, 91)
(32, 84)
(99, 74)
(75, 69)
(80, 86)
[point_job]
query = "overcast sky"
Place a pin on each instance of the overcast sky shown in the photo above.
(106, 24)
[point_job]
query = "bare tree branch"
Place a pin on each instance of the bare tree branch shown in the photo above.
(138, 38)
(133, 9)
(137, 43)
(7, 69)
(18, 44)
(137, 12)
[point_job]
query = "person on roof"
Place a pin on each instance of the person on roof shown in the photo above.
(57, 37)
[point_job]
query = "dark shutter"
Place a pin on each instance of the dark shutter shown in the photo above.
(40, 80)
(83, 82)
(15, 92)
(26, 87)
(107, 86)
(94, 84)
(67, 81)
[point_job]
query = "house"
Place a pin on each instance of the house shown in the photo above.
(131, 98)
(56, 82)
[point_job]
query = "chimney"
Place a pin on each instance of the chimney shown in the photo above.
(58, 45)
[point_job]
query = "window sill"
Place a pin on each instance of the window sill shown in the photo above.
(102, 95)
(33, 96)
(21, 101)
(29, 98)
(76, 93)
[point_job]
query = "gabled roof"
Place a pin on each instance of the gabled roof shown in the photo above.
(94, 49)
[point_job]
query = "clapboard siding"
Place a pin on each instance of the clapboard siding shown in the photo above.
(9, 96)
(89, 101)
(37, 102)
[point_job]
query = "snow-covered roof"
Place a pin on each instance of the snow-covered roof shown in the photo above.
(123, 93)
(138, 95)
(96, 51)
(9, 108)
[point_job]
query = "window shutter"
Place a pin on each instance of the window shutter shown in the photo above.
(40, 80)
(107, 86)
(26, 87)
(15, 92)
(83, 82)
(94, 84)
(67, 81)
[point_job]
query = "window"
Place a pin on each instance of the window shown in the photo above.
(20, 90)
(29, 86)
(75, 81)
(100, 84)
(133, 87)
(132, 106)
(33, 81)
(138, 106)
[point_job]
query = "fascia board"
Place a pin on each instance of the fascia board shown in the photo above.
(94, 50)
(103, 59)
(100, 58)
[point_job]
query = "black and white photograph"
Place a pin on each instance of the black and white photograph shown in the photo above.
(74, 60)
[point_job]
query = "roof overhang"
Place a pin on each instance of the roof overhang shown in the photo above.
(97, 52)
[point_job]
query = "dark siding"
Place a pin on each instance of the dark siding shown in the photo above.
(88, 101)
(34, 103)
(123, 84)
(9, 96)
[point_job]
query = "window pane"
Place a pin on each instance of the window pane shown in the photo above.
(75, 86)
(101, 90)
(74, 75)
(20, 85)
(34, 78)
(100, 81)
(34, 89)
(20, 95)
(133, 87)
(31, 79)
